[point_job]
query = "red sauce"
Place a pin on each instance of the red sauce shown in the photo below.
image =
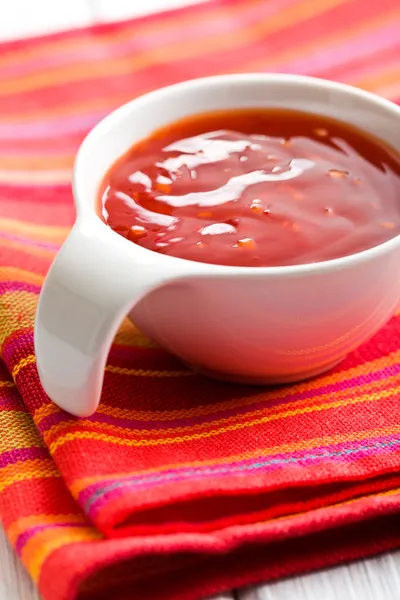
(255, 188)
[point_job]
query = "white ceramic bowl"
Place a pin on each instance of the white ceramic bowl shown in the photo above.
(249, 324)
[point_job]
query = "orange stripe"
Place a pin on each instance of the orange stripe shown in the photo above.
(45, 49)
(17, 431)
(129, 335)
(275, 411)
(6, 383)
(44, 543)
(21, 525)
(91, 105)
(391, 91)
(42, 162)
(229, 428)
(78, 485)
(198, 48)
(58, 177)
(204, 410)
(336, 505)
(24, 362)
(386, 77)
(341, 37)
(41, 233)
(213, 427)
(26, 470)
(110, 102)
(27, 249)
(20, 275)
(29, 360)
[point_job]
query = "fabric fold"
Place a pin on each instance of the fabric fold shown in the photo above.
(180, 486)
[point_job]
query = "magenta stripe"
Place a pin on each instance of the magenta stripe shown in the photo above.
(51, 420)
(22, 455)
(10, 400)
(17, 286)
(28, 242)
(96, 495)
(29, 533)
(11, 350)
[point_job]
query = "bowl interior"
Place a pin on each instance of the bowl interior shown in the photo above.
(113, 136)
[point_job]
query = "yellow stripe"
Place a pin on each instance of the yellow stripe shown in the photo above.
(137, 29)
(26, 471)
(386, 77)
(20, 275)
(343, 395)
(276, 412)
(204, 410)
(198, 48)
(33, 162)
(206, 434)
(19, 526)
(129, 335)
(7, 384)
(323, 41)
(75, 106)
(19, 177)
(41, 233)
(113, 369)
(28, 248)
(44, 543)
(18, 431)
(149, 372)
(24, 303)
(24, 362)
(110, 102)
(391, 91)
(335, 506)
(18, 309)
(78, 485)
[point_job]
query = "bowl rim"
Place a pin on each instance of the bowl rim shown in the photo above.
(86, 214)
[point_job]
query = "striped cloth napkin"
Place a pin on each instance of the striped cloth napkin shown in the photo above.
(180, 486)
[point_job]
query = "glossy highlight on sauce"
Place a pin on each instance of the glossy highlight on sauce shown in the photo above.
(255, 187)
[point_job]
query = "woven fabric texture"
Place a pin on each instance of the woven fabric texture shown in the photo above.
(179, 486)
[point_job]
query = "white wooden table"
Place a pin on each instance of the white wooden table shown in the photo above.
(373, 579)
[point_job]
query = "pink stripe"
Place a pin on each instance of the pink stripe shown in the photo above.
(49, 128)
(31, 150)
(62, 417)
(98, 51)
(374, 67)
(362, 47)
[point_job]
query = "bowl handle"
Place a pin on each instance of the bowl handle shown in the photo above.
(91, 286)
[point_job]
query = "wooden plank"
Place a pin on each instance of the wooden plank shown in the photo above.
(375, 579)
(372, 579)
(15, 583)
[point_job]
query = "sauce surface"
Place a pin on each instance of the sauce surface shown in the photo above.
(255, 187)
